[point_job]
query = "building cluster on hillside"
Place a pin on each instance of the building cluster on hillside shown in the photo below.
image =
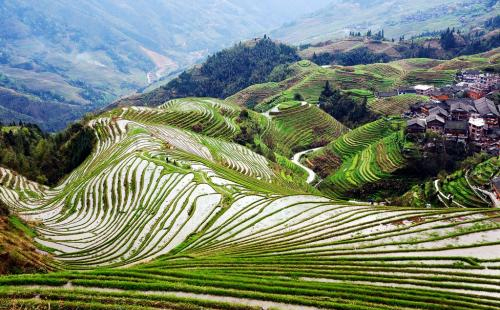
(460, 112)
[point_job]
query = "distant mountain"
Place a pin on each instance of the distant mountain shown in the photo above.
(81, 55)
(401, 17)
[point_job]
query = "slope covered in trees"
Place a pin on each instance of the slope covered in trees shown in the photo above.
(224, 73)
(42, 157)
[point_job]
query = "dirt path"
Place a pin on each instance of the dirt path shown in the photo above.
(296, 160)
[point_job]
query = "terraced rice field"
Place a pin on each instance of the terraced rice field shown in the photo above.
(361, 137)
(214, 117)
(467, 188)
(303, 127)
(395, 105)
(299, 253)
(431, 77)
(372, 164)
(162, 217)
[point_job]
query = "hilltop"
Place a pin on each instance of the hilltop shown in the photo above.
(254, 62)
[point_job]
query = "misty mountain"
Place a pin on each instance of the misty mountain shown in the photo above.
(402, 17)
(77, 56)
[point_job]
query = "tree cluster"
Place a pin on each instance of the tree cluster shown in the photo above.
(447, 39)
(232, 70)
(41, 157)
(343, 108)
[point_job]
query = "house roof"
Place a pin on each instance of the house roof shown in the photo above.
(438, 110)
(457, 106)
(387, 94)
(472, 72)
(485, 106)
(456, 125)
(423, 87)
(476, 121)
(435, 117)
(417, 121)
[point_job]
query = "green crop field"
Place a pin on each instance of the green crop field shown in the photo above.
(463, 188)
(165, 216)
(308, 80)
(373, 163)
(302, 127)
(395, 105)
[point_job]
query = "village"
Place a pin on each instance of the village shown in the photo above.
(462, 112)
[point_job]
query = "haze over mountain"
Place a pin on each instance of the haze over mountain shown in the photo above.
(60, 59)
(402, 17)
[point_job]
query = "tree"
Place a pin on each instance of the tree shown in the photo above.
(447, 39)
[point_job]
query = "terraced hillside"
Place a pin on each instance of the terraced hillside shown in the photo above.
(362, 137)
(469, 188)
(369, 153)
(374, 163)
(395, 105)
(163, 216)
(310, 79)
(303, 127)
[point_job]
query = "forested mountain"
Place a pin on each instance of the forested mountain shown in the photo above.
(224, 73)
(72, 57)
(397, 18)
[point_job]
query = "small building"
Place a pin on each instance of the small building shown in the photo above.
(461, 109)
(496, 186)
(469, 76)
(456, 130)
(416, 125)
(442, 94)
(477, 128)
(424, 90)
(426, 107)
(435, 123)
(487, 110)
(483, 83)
(475, 92)
(440, 112)
(416, 107)
(387, 94)
(404, 91)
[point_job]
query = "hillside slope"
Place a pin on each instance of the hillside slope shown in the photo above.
(195, 221)
(397, 18)
(362, 81)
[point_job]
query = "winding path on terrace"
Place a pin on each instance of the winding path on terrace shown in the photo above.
(179, 226)
(311, 175)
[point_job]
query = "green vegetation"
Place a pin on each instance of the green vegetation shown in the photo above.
(395, 105)
(288, 105)
(466, 187)
(168, 212)
(302, 127)
(17, 251)
(42, 157)
(343, 108)
(365, 161)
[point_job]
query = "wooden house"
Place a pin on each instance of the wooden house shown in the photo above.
(416, 125)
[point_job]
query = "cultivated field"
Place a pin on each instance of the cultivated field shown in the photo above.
(168, 213)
